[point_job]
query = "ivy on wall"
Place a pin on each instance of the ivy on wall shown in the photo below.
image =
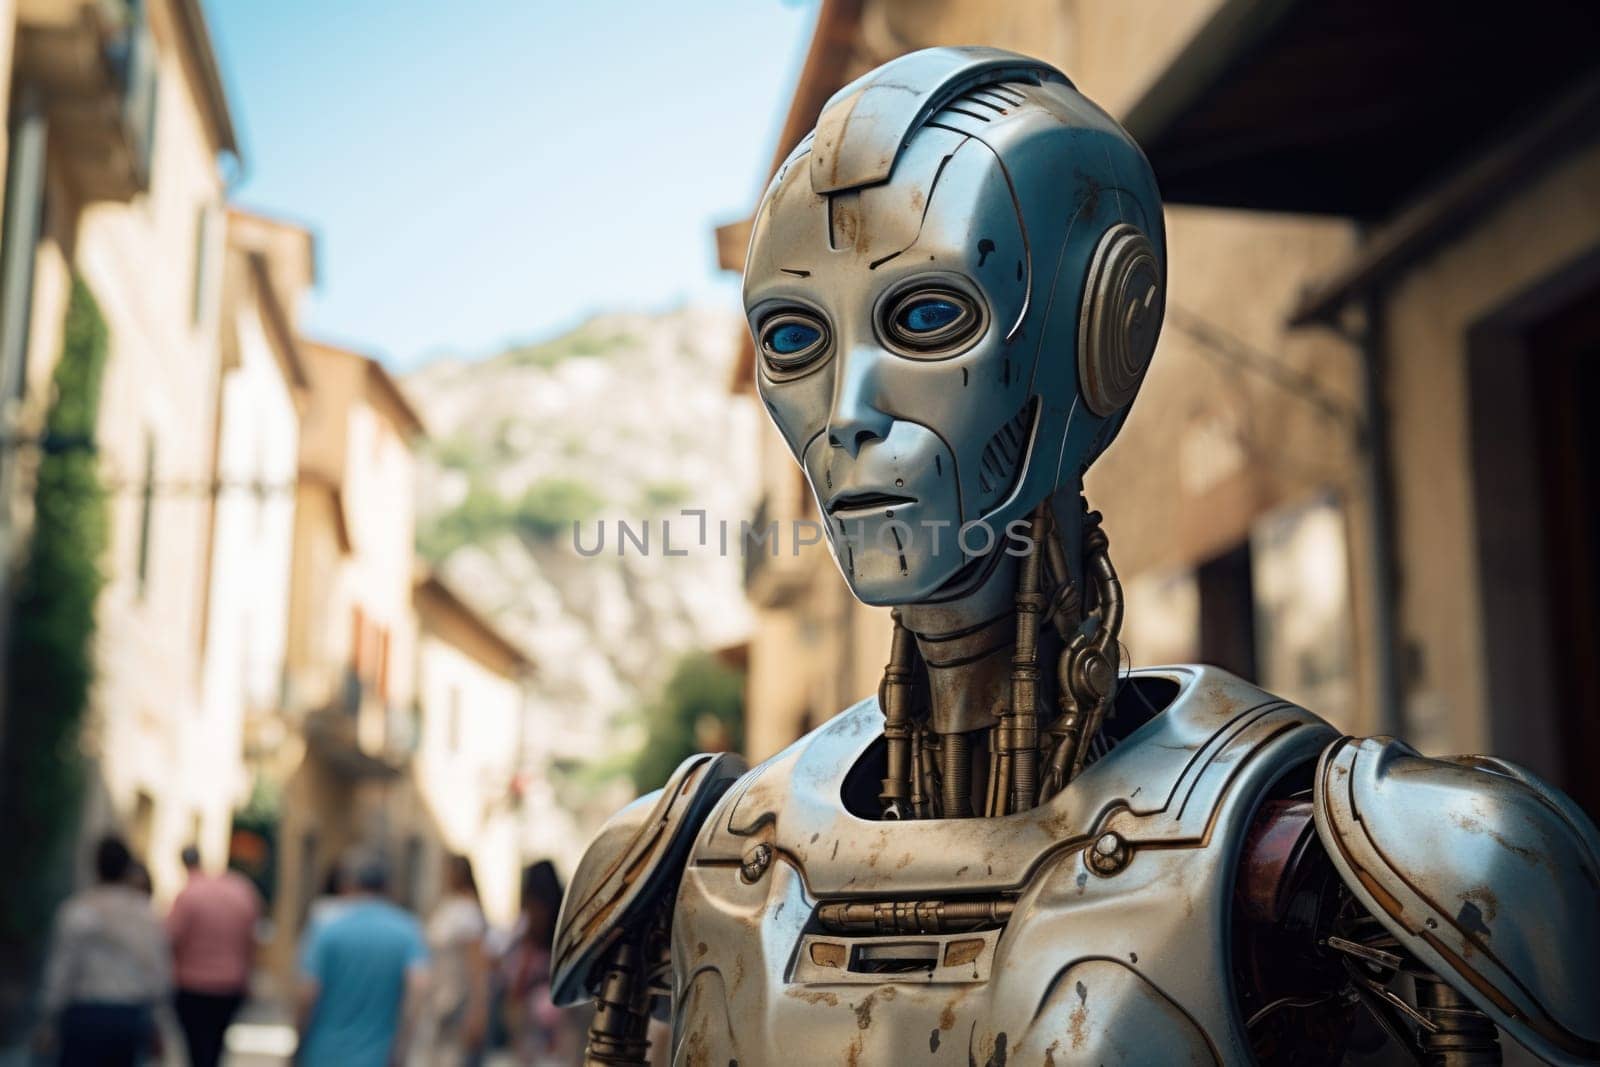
(50, 661)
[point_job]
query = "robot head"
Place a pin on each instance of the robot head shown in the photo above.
(955, 284)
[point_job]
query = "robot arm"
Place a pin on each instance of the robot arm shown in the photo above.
(1481, 874)
(611, 940)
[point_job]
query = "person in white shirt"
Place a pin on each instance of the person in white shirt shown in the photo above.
(108, 971)
(458, 1013)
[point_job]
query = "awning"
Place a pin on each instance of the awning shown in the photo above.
(1357, 106)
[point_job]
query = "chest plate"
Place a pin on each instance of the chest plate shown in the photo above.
(1038, 955)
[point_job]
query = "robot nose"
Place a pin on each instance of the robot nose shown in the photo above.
(855, 419)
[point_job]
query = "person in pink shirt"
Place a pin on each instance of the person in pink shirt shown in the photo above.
(212, 928)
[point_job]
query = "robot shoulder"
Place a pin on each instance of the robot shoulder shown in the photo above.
(1484, 873)
(631, 866)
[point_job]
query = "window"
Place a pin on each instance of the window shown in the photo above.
(358, 632)
(413, 891)
(198, 291)
(453, 720)
(308, 877)
(381, 681)
(1228, 612)
(143, 823)
(147, 504)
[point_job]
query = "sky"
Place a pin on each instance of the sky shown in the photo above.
(481, 172)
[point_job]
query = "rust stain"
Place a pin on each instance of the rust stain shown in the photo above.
(959, 952)
(1077, 1025)
(947, 1018)
(1485, 899)
(700, 950)
(852, 1055)
(1476, 826)
(1091, 193)
(864, 1011)
(695, 1051)
(827, 954)
(814, 996)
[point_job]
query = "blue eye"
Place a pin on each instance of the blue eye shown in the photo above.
(931, 323)
(793, 340)
(925, 316)
(793, 337)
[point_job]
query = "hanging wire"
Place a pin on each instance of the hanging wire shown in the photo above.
(1219, 343)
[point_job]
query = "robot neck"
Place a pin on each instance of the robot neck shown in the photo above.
(973, 724)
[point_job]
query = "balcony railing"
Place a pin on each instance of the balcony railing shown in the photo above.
(93, 65)
(361, 734)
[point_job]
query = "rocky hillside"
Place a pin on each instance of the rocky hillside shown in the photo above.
(628, 418)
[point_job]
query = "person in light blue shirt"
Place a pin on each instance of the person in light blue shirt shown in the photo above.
(363, 973)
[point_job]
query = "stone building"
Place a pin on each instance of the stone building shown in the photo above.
(1467, 151)
(466, 773)
(1359, 469)
(117, 128)
(348, 702)
(263, 631)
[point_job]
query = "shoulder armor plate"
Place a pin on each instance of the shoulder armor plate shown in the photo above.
(633, 862)
(1484, 873)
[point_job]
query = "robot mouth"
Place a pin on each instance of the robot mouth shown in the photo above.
(842, 503)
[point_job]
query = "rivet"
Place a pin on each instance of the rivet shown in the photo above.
(1108, 855)
(755, 863)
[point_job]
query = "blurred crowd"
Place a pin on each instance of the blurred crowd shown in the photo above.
(375, 985)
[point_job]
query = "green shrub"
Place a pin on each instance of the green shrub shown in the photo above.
(550, 507)
(50, 658)
(701, 708)
(664, 496)
(545, 512)
(481, 516)
(459, 452)
(582, 343)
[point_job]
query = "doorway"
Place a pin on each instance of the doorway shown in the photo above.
(1535, 379)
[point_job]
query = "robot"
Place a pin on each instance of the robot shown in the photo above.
(1017, 851)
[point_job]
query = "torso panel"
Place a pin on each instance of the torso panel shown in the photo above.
(1092, 928)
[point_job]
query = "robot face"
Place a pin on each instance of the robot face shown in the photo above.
(886, 325)
(953, 299)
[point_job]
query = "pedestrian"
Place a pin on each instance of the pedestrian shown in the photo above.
(363, 977)
(108, 969)
(138, 877)
(212, 927)
(459, 988)
(541, 1033)
(328, 903)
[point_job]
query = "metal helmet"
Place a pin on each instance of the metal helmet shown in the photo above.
(955, 284)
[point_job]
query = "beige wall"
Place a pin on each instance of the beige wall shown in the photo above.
(354, 445)
(353, 530)
(251, 547)
(466, 758)
(158, 397)
(8, 37)
(1530, 235)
